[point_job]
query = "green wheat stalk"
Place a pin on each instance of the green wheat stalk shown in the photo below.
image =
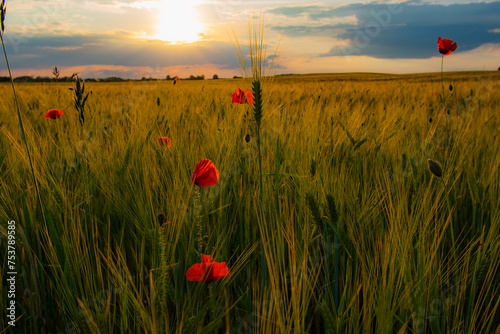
(3, 11)
(80, 98)
(258, 72)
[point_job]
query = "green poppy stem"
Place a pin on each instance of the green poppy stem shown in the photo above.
(197, 216)
(442, 79)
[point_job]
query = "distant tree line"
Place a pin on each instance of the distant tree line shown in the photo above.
(30, 78)
(191, 77)
(27, 78)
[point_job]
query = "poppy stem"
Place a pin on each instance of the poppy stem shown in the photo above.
(23, 132)
(197, 206)
(442, 79)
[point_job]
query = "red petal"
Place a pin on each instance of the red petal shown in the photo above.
(446, 46)
(207, 271)
(444, 51)
(206, 259)
(446, 43)
(205, 174)
(219, 270)
(239, 96)
(53, 113)
(165, 141)
(249, 96)
(235, 97)
(208, 178)
(195, 272)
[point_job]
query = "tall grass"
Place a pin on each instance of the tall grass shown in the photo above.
(398, 269)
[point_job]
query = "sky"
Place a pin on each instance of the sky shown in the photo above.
(155, 38)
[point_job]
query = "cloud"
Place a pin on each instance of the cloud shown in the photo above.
(405, 30)
(295, 10)
(326, 30)
(119, 49)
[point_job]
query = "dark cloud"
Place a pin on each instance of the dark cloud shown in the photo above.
(295, 11)
(115, 49)
(405, 30)
(328, 30)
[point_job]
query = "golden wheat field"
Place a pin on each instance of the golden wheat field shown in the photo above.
(356, 203)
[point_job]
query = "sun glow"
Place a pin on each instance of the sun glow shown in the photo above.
(178, 22)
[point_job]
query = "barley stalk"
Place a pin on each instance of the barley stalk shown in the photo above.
(3, 11)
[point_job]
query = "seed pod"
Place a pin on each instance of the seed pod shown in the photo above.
(161, 218)
(435, 167)
(3, 11)
(451, 87)
(247, 138)
(312, 169)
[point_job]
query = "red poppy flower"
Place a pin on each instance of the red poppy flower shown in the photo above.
(165, 141)
(242, 96)
(205, 174)
(207, 271)
(446, 46)
(53, 113)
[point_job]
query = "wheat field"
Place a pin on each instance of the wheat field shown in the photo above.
(344, 229)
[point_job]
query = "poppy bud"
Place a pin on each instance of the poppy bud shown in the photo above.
(430, 120)
(451, 87)
(435, 168)
(161, 218)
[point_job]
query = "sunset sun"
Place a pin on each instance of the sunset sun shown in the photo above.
(178, 23)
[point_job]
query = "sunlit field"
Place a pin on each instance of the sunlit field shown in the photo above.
(346, 228)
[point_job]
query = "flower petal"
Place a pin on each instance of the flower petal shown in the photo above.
(195, 272)
(219, 270)
(205, 174)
